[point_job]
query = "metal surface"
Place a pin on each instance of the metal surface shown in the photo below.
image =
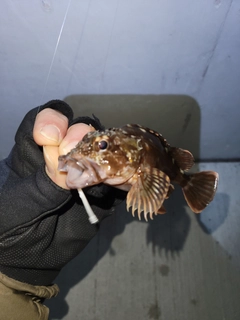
(178, 266)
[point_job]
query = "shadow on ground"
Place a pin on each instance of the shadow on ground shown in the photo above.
(177, 117)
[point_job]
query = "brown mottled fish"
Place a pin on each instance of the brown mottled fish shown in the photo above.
(140, 161)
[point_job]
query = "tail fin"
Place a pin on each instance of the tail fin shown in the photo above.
(200, 189)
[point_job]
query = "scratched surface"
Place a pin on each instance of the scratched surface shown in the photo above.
(56, 49)
(179, 266)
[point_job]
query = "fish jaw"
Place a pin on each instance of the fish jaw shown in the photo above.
(84, 172)
(81, 172)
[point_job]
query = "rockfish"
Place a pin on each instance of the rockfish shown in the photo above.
(140, 161)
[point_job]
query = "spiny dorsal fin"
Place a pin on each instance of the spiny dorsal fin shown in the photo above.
(183, 158)
(155, 133)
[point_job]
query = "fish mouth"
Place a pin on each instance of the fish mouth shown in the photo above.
(66, 161)
(85, 172)
(81, 172)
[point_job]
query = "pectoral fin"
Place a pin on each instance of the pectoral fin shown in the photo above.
(148, 192)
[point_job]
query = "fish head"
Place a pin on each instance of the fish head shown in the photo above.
(111, 156)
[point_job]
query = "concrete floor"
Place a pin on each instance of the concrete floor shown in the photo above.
(178, 267)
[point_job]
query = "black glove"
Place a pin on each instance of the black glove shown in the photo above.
(42, 226)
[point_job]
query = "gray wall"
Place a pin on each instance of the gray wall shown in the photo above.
(59, 49)
(169, 64)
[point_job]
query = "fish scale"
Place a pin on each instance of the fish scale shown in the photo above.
(140, 161)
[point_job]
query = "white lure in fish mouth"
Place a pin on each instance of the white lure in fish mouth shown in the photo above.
(91, 215)
(80, 174)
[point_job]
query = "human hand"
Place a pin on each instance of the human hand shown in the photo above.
(51, 131)
(44, 225)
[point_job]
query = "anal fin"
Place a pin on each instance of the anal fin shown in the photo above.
(162, 210)
(170, 190)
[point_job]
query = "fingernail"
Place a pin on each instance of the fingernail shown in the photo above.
(51, 132)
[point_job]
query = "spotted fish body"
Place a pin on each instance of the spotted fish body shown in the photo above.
(140, 161)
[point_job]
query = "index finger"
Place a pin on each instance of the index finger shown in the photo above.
(74, 134)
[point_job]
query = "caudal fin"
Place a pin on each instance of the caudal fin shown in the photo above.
(200, 190)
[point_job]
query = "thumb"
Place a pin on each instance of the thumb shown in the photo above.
(51, 153)
(50, 127)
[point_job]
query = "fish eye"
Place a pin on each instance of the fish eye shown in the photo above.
(103, 144)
